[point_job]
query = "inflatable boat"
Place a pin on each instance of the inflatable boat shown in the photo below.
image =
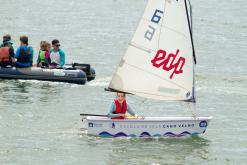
(71, 73)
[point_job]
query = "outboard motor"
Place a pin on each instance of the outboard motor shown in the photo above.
(90, 72)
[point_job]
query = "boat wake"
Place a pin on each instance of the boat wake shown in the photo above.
(100, 82)
(50, 83)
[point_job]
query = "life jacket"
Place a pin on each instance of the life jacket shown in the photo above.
(42, 56)
(120, 109)
(24, 56)
(4, 55)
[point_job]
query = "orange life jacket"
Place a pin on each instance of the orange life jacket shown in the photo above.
(4, 55)
(120, 109)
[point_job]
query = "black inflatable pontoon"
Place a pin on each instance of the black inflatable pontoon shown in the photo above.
(71, 73)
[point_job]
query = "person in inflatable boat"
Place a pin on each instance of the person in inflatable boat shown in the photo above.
(119, 107)
(24, 54)
(44, 55)
(7, 41)
(7, 52)
(57, 55)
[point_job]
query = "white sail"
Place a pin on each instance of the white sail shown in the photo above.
(159, 62)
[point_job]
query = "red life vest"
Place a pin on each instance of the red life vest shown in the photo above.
(119, 109)
(4, 55)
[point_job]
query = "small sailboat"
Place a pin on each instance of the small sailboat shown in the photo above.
(158, 64)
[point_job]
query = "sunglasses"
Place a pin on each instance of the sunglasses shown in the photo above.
(57, 45)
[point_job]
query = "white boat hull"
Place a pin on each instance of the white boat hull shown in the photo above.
(146, 127)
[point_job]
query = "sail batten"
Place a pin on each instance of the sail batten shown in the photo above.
(141, 47)
(164, 27)
(158, 63)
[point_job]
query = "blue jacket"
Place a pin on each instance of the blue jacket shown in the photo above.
(28, 64)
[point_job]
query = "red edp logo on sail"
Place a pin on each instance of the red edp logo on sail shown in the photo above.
(168, 62)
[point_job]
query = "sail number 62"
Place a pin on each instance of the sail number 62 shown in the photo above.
(155, 19)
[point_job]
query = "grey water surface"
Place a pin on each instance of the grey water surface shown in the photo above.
(40, 122)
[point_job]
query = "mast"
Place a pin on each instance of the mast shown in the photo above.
(190, 26)
(193, 99)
